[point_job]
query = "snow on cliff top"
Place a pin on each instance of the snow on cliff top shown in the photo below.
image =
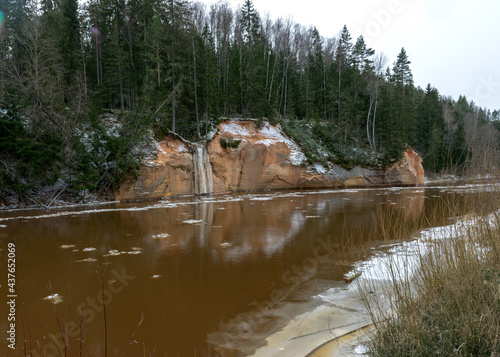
(266, 135)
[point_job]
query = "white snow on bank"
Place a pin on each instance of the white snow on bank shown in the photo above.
(400, 261)
(159, 148)
(320, 169)
(273, 134)
(182, 148)
(471, 188)
(235, 129)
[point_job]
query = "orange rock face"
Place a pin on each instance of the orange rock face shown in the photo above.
(415, 166)
(408, 171)
(264, 159)
(170, 174)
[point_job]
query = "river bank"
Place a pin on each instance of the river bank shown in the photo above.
(203, 264)
(230, 274)
(237, 156)
(334, 320)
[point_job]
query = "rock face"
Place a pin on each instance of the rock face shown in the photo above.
(169, 174)
(242, 157)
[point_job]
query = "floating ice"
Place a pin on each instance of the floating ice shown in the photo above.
(54, 298)
(113, 253)
(3, 226)
(89, 249)
(193, 221)
(160, 236)
(87, 260)
(311, 217)
(67, 246)
(226, 244)
(156, 276)
(262, 198)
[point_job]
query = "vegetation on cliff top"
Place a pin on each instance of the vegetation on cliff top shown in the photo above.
(177, 65)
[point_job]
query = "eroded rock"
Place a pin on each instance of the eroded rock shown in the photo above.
(245, 157)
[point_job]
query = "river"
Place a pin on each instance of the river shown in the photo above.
(195, 267)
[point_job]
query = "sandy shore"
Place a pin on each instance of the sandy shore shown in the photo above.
(334, 328)
(328, 324)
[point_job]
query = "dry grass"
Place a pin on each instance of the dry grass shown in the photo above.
(449, 303)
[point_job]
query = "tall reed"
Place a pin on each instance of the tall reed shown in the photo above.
(444, 299)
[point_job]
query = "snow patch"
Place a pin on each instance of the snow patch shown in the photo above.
(160, 148)
(235, 129)
(273, 134)
(320, 169)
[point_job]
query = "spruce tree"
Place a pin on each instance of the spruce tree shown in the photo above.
(316, 80)
(69, 42)
(401, 71)
(252, 71)
(344, 63)
(404, 104)
(430, 129)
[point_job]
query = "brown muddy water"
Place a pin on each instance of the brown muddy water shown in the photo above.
(190, 266)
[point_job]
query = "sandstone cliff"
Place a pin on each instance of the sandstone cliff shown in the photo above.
(264, 159)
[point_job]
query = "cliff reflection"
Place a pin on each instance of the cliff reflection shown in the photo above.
(262, 225)
(204, 260)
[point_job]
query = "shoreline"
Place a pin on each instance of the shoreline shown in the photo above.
(449, 179)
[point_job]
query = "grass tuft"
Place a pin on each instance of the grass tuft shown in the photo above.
(449, 303)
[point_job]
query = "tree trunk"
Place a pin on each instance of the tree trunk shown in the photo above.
(195, 80)
(158, 62)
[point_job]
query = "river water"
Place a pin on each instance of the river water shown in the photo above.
(192, 266)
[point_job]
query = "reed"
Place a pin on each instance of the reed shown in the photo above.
(444, 299)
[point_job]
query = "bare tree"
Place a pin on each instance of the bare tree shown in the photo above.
(375, 80)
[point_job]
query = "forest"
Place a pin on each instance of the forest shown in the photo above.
(177, 66)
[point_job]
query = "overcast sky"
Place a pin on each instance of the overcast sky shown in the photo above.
(453, 44)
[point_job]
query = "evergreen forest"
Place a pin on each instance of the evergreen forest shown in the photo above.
(163, 66)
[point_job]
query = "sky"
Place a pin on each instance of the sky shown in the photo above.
(452, 44)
